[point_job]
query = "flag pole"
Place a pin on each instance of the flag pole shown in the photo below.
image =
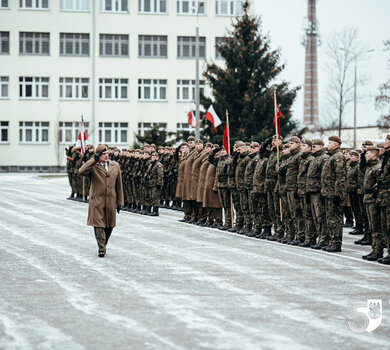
(82, 128)
(228, 139)
(277, 147)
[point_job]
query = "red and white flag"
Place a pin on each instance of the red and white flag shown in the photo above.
(277, 120)
(212, 117)
(191, 119)
(226, 138)
(82, 139)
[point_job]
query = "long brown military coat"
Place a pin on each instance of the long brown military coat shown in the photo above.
(105, 193)
(210, 193)
(180, 177)
(199, 156)
(187, 175)
(202, 179)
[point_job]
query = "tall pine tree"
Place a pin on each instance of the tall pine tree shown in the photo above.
(244, 84)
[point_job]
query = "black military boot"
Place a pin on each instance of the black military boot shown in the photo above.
(266, 233)
(80, 197)
(375, 257)
(162, 205)
(86, 200)
(167, 204)
(124, 206)
(366, 240)
(305, 244)
(356, 231)
(333, 249)
(224, 227)
(236, 228)
(154, 212)
(385, 260)
(71, 196)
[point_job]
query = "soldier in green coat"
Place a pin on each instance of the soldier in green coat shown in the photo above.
(370, 188)
(383, 199)
(154, 183)
(333, 178)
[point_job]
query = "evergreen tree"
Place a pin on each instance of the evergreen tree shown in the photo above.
(154, 135)
(244, 84)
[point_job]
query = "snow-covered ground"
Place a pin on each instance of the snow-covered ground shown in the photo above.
(169, 285)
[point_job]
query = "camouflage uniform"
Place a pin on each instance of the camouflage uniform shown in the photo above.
(155, 181)
(232, 164)
(352, 188)
(292, 194)
(317, 202)
(383, 199)
(333, 178)
(273, 198)
(249, 172)
(242, 162)
(304, 200)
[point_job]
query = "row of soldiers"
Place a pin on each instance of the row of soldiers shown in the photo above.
(297, 188)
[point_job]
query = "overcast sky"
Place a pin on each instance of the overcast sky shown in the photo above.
(284, 19)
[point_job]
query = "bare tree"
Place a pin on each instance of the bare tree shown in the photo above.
(341, 48)
(382, 101)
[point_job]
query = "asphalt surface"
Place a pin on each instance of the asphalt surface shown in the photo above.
(169, 285)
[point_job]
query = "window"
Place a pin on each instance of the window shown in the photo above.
(34, 4)
(114, 45)
(186, 47)
(186, 89)
(113, 89)
(113, 133)
(33, 87)
(74, 44)
(218, 42)
(228, 7)
(4, 87)
(74, 5)
(3, 4)
(152, 89)
(4, 132)
(68, 131)
(183, 127)
(114, 5)
(153, 46)
(143, 127)
(152, 6)
(34, 132)
(4, 43)
(34, 43)
(190, 7)
(74, 88)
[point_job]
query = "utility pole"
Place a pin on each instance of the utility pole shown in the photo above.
(197, 90)
(355, 91)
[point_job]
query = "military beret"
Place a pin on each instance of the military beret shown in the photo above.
(368, 143)
(137, 150)
(255, 144)
(101, 148)
(307, 142)
(184, 144)
(146, 145)
(295, 139)
(199, 142)
(215, 145)
(354, 153)
(153, 145)
(247, 144)
(167, 147)
(388, 137)
(208, 144)
(335, 139)
(380, 145)
(239, 144)
(160, 147)
(190, 138)
(372, 148)
(286, 145)
(154, 154)
(318, 142)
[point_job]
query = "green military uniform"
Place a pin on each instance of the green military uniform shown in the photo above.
(333, 178)
(249, 173)
(317, 201)
(232, 165)
(155, 181)
(242, 189)
(370, 187)
(352, 189)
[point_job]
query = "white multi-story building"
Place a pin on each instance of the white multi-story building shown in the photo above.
(124, 65)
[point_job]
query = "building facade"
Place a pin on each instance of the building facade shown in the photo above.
(123, 65)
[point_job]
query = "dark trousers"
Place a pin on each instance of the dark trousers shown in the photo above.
(102, 236)
(355, 205)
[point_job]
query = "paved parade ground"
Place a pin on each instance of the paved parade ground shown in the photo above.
(169, 285)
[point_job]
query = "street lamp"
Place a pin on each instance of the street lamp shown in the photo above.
(355, 90)
(197, 90)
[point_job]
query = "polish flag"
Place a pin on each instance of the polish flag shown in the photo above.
(277, 120)
(191, 119)
(212, 117)
(226, 138)
(82, 139)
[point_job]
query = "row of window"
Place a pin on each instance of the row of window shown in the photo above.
(185, 7)
(109, 88)
(110, 45)
(109, 132)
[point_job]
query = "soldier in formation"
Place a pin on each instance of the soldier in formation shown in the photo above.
(292, 192)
